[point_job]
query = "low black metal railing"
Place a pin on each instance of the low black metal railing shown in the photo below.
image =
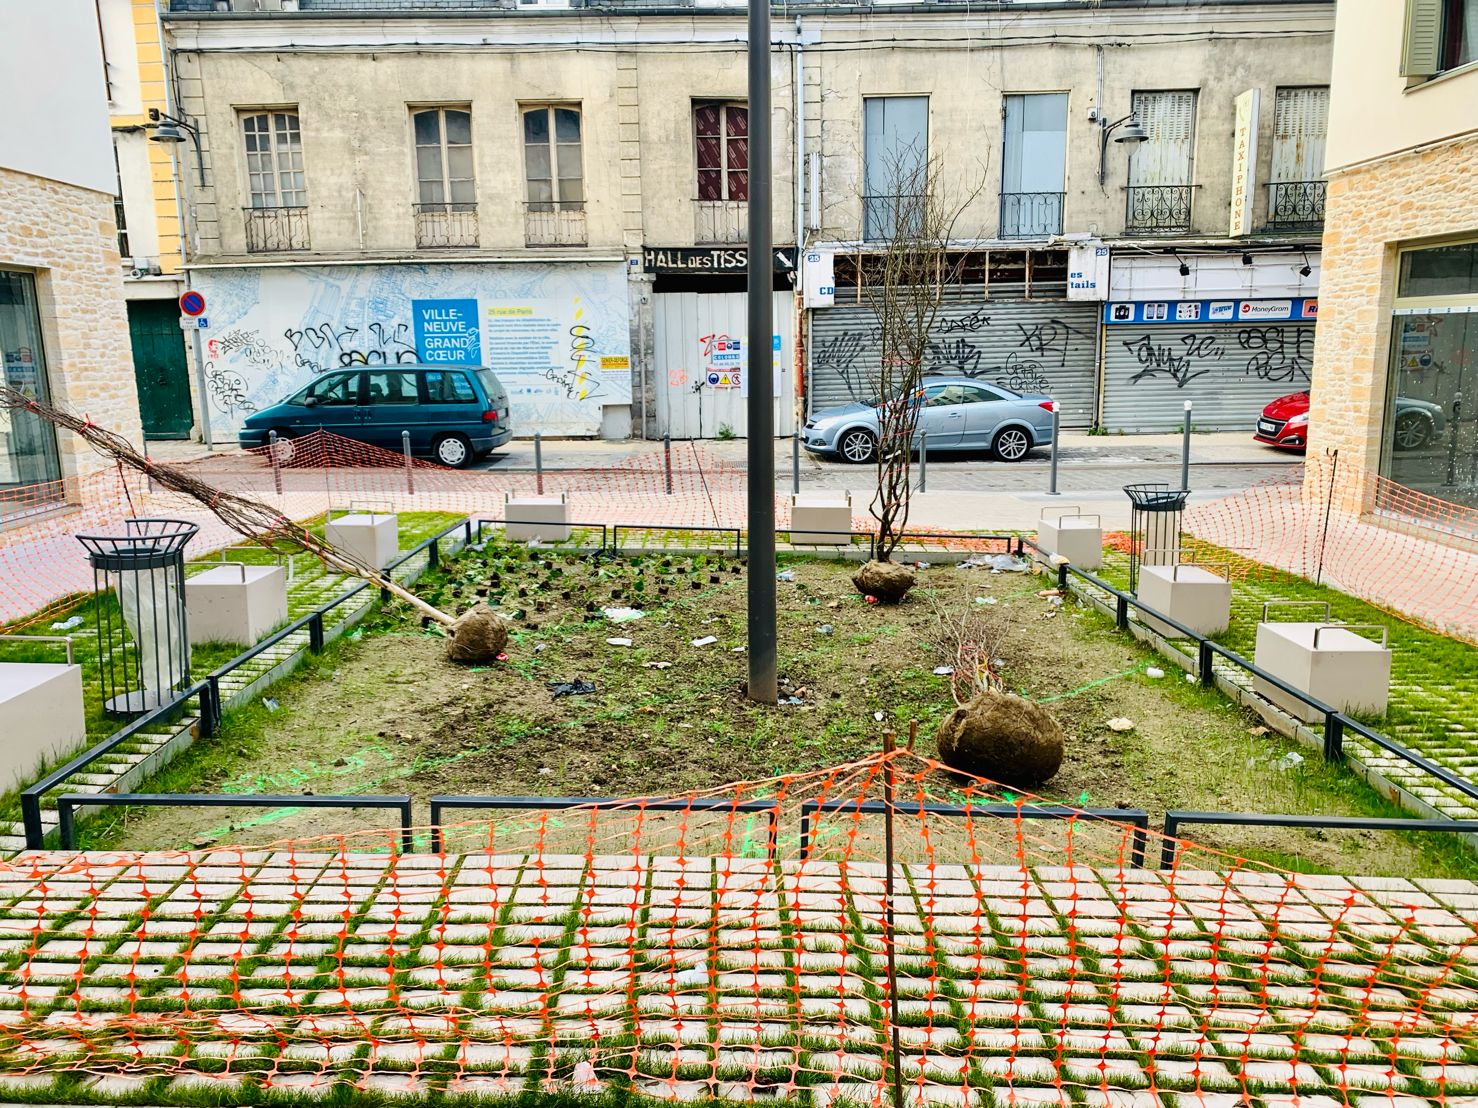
(269, 230)
(1124, 817)
(1175, 818)
(1296, 205)
(1031, 215)
(1157, 209)
(444, 803)
(445, 225)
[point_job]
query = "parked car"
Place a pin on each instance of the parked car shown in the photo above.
(453, 413)
(1285, 423)
(958, 413)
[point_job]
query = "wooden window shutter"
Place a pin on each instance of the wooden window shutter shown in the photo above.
(1421, 46)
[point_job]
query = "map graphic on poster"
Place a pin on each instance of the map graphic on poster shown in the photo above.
(446, 331)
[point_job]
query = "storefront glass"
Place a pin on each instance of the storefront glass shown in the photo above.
(1431, 417)
(27, 443)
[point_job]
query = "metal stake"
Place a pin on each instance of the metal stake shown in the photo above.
(276, 462)
(410, 477)
(890, 944)
(1056, 433)
(763, 685)
(795, 463)
(667, 461)
(205, 433)
(539, 462)
(923, 461)
(1185, 450)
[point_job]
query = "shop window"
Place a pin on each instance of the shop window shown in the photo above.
(28, 454)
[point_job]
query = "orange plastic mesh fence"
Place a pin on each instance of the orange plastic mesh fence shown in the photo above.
(1400, 549)
(686, 955)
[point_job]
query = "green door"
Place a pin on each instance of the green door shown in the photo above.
(160, 368)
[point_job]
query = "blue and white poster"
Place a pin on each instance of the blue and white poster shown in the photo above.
(447, 331)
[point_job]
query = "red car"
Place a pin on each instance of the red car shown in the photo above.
(1285, 423)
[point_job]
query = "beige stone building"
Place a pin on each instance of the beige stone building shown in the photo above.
(1395, 386)
(63, 331)
(560, 191)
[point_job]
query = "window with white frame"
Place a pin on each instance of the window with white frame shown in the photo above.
(444, 174)
(552, 158)
(274, 159)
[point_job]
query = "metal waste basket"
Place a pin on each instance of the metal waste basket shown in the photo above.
(1154, 526)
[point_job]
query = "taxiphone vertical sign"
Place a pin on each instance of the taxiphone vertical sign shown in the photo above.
(447, 332)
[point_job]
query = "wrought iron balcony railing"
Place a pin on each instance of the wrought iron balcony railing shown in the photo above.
(1031, 215)
(445, 225)
(721, 221)
(546, 223)
(1158, 209)
(1296, 205)
(881, 214)
(269, 230)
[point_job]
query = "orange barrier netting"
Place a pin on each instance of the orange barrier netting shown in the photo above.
(689, 954)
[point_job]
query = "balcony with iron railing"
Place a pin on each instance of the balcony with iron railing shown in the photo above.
(273, 230)
(441, 226)
(881, 213)
(1158, 209)
(1031, 215)
(1296, 205)
(550, 223)
(720, 221)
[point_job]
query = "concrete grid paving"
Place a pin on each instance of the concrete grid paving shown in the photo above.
(306, 971)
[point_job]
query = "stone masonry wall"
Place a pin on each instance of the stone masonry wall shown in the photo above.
(66, 236)
(1371, 211)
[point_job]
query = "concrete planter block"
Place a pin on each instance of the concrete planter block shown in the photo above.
(373, 538)
(821, 519)
(1196, 597)
(1329, 661)
(41, 704)
(545, 518)
(235, 603)
(1071, 535)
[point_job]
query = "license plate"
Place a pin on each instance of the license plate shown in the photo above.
(1266, 427)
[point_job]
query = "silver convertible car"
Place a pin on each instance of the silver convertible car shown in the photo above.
(958, 413)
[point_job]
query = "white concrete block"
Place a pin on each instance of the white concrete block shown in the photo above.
(1196, 597)
(1078, 538)
(1344, 669)
(373, 538)
(821, 519)
(235, 603)
(545, 518)
(41, 704)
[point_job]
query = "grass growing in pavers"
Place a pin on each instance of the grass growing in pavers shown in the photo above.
(1433, 707)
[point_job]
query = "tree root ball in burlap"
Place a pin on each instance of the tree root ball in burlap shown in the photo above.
(1002, 738)
(479, 635)
(887, 581)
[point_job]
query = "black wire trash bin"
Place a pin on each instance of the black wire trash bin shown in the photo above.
(1154, 526)
(143, 645)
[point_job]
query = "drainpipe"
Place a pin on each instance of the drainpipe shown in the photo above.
(798, 81)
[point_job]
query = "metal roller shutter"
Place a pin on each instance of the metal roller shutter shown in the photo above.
(1044, 346)
(1229, 371)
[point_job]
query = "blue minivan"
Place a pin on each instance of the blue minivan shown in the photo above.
(453, 413)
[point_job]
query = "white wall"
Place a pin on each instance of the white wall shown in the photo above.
(121, 49)
(51, 81)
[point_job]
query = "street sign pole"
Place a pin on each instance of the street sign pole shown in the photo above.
(200, 390)
(763, 683)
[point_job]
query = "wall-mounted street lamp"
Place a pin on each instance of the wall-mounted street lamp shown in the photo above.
(168, 129)
(1133, 132)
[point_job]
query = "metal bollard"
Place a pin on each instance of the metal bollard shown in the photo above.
(539, 462)
(276, 461)
(923, 461)
(1056, 434)
(795, 463)
(410, 478)
(667, 460)
(1185, 450)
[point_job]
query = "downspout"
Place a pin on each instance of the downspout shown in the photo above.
(798, 170)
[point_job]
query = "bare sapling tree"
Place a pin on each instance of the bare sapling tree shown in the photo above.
(905, 287)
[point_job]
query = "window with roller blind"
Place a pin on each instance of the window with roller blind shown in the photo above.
(1161, 169)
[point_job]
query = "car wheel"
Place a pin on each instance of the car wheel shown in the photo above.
(283, 451)
(1011, 444)
(1413, 430)
(452, 450)
(857, 446)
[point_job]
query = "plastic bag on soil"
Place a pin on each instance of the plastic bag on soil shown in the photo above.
(577, 687)
(622, 615)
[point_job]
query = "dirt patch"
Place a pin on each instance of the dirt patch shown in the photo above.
(668, 714)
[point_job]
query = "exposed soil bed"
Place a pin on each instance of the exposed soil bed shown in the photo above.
(388, 714)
